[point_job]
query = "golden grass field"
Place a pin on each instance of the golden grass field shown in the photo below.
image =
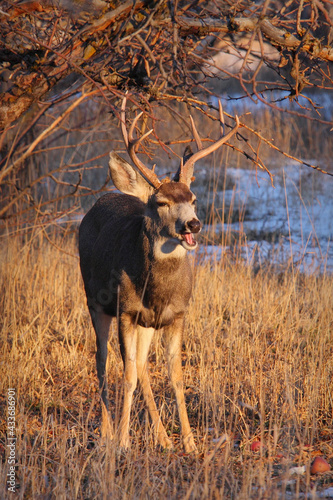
(257, 357)
(258, 365)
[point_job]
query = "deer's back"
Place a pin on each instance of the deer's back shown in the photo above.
(102, 234)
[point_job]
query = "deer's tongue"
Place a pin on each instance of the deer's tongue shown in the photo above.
(188, 238)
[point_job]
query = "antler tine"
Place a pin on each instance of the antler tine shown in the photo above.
(132, 127)
(184, 173)
(133, 144)
(123, 121)
(195, 134)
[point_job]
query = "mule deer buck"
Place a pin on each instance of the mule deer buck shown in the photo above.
(133, 256)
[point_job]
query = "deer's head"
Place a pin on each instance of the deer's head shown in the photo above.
(170, 204)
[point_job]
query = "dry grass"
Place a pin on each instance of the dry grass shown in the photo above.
(257, 364)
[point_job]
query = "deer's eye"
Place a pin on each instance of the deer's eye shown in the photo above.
(162, 204)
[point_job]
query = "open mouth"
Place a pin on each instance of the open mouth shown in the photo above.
(188, 241)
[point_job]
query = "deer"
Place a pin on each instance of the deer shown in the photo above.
(133, 248)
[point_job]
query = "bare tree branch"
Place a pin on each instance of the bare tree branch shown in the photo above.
(175, 56)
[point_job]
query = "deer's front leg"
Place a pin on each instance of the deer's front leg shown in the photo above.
(145, 336)
(173, 335)
(127, 340)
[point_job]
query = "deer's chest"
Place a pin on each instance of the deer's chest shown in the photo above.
(157, 298)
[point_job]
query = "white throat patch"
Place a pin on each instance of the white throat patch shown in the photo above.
(167, 248)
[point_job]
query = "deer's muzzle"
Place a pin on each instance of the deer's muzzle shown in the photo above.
(188, 242)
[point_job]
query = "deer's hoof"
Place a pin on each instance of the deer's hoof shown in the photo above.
(165, 442)
(189, 445)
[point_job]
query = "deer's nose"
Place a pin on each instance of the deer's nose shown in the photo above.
(194, 225)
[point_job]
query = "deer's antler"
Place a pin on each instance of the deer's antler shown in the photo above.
(186, 169)
(133, 144)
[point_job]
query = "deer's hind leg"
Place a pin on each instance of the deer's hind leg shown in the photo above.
(144, 339)
(101, 323)
(127, 341)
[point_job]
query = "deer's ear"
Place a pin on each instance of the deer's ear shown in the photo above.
(128, 179)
